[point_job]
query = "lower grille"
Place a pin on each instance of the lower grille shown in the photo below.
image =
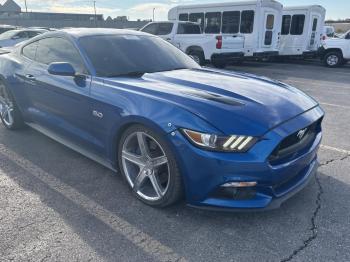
(295, 144)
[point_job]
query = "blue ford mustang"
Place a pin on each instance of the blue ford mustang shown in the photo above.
(135, 103)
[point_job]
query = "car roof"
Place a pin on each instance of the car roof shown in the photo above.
(83, 32)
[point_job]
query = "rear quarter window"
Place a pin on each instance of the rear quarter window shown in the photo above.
(29, 51)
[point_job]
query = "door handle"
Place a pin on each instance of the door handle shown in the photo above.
(30, 77)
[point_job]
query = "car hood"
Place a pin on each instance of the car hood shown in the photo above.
(234, 103)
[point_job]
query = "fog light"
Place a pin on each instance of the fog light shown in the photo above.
(240, 184)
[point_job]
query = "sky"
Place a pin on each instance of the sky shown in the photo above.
(142, 9)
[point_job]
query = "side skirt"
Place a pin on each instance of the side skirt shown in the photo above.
(72, 146)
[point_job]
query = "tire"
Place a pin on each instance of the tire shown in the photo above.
(198, 56)
(333, 59)
(155, 164)
(10, 115)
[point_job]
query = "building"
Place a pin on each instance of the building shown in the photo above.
(11, 14)
(11, 9)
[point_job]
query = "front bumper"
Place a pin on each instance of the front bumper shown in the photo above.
(205, 172)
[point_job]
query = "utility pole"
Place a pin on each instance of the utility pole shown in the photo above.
(25, 3)
(95, 14)
(154, 9)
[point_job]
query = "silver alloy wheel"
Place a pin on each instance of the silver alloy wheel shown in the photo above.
(6, 106)
(145, 166)
(332, 60)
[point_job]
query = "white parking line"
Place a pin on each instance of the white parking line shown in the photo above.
(341, 106)
(142, 240)
(335, 149)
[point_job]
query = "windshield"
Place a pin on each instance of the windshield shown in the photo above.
(8, 34)
(116, 55)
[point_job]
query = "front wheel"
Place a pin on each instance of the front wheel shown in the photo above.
(333, 59)
(149, 167)
(9, 112)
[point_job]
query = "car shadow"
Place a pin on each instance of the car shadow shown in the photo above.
(194, 234)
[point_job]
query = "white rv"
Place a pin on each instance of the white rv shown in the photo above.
(259, 22)
(302, 30)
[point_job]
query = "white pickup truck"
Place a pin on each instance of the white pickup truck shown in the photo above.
(336, 51)
(220, 50)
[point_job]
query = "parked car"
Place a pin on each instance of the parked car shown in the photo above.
(302, 30)
(137, 104)
(335, 52)
(13, 37)
(259, 22)
(188, 37)
(5, 28)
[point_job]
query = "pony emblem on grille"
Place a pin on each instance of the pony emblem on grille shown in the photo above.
(301, 133)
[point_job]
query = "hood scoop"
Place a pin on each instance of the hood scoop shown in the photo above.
(212, 97)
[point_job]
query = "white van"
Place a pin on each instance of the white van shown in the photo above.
(302, 30)
(188, 37)
(259, 22)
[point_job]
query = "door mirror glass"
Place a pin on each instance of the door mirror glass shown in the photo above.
(61, 69)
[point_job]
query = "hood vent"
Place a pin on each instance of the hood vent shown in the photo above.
(212, 97)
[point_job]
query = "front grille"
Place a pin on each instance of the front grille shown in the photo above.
(295, 144)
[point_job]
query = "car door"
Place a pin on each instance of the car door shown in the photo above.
(60, 105)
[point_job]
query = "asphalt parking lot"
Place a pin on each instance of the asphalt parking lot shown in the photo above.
(56, 205)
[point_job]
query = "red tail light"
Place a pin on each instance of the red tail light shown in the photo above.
(219, 42)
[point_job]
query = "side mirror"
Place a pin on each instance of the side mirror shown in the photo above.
(347, 36)
(61, 69)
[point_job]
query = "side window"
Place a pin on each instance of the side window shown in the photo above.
(247, 22)
(185, 29)
(22, 35)
(183, 17)
(314, 24)
(286, 24)
(32, 34)
(52, 50)
(230, 22)
(212, 23)
(270, 21)
(297, 27)
(29, 51)
(151, 29)
(197, 18)
(164, 28)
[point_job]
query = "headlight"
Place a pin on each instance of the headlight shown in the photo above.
(234, 143)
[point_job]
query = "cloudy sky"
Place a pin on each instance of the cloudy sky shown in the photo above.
(143, 9)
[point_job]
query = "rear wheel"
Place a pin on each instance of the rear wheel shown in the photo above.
(197, 56)
(333, 59)
(149, 167)
(9, 112)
